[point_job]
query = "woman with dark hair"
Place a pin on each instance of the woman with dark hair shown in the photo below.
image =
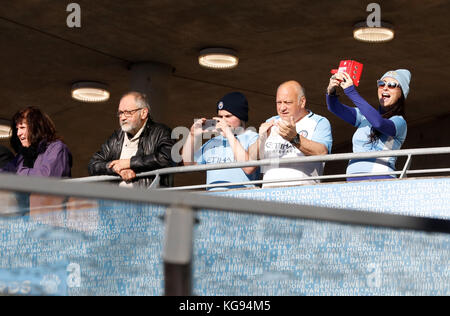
(382, 129)
(40, 152)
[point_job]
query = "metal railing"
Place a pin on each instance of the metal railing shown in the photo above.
(181, 206)
(403, 173)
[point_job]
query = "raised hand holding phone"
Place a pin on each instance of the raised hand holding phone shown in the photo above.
(347, 82)
(209, 125)
(197, 127)
(223, 127)
(352, 68)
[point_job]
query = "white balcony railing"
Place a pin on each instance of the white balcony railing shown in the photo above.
(404, 172)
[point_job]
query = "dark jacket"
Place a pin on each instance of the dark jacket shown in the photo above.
(5, 156)
(154, 152)
(47, 160)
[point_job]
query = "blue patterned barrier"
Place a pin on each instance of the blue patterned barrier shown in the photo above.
(113, 248)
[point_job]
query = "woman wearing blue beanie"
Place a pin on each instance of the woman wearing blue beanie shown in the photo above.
(382, 129)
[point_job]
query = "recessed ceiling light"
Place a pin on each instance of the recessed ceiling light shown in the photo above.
(5, 129)
(364, 33)
(90, 91)
(218, 58)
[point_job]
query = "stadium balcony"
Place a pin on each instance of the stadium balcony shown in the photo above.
(86, 237)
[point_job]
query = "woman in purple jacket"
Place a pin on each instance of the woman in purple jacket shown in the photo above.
(40, 152)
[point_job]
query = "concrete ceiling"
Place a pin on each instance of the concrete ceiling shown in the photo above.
(40, 57)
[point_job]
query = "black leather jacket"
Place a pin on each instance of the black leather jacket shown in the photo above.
(154, 152)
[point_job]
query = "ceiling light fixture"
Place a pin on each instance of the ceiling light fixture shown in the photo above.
(5, 129)
(89, 91)
(218, 58)
(364, 33)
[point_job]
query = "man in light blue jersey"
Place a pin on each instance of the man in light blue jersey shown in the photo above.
(294, 132)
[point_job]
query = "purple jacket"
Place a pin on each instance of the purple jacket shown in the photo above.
(55, 161)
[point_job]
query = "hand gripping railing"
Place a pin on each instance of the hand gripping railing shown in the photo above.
(409, 153)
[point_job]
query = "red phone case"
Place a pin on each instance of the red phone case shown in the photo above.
(352, 67)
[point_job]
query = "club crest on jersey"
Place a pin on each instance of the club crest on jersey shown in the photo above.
(303, 133)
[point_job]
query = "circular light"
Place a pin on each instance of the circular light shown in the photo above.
(90, 92)
(384, 33)
(5, 129)
(218, 58)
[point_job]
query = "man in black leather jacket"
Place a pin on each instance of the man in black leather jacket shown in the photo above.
(140, 145)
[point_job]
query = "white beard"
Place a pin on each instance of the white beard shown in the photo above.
(126, 127)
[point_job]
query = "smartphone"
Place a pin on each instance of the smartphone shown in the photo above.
(352, 67)
(209, 125)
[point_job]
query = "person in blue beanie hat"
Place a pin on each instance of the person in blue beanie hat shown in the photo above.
(231, 145)
(384, 128)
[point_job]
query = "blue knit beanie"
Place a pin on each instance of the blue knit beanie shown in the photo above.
(403, 76)
(236, 103)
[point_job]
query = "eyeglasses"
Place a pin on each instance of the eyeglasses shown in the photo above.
(390, 84)
(127, 113)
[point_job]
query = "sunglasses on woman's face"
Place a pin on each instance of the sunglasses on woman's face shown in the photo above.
(390, 84)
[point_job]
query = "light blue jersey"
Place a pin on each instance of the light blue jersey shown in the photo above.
(318, 131)
(313, 127)
(361, 143)
(218, 150)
